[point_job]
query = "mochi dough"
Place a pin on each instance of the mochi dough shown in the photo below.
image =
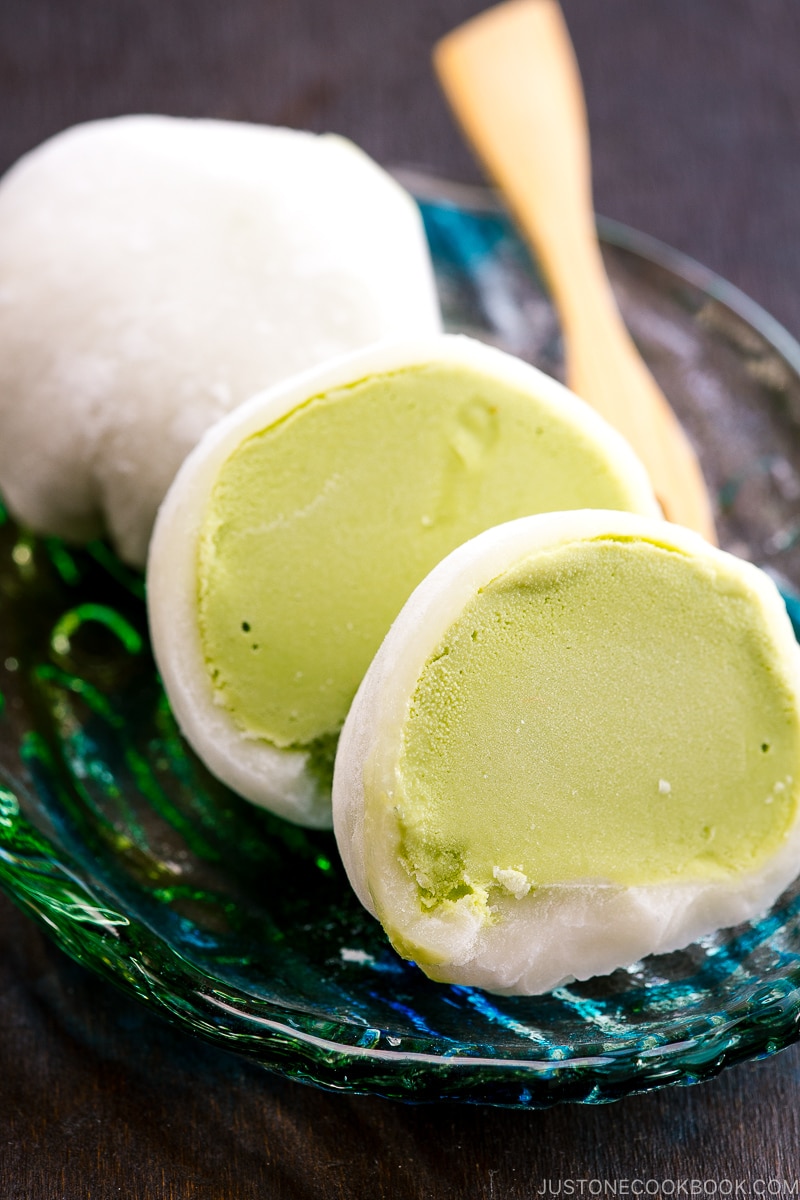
(154, 273)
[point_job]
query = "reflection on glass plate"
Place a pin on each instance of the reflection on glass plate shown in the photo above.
(242, 928)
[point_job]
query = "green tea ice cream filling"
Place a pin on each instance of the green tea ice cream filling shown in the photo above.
(609, 710)
(320, 526)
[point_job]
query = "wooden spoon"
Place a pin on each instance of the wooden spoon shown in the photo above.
(511, 77)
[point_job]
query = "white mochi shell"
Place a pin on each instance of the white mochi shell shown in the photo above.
(275, 778)
(154, 273)
(552, 934)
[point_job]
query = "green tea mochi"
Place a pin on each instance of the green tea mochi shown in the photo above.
(582, 714)
(299, 528)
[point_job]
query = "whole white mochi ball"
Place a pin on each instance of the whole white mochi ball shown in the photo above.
(154, 273)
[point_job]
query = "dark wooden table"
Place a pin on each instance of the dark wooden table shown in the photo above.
(695, 109)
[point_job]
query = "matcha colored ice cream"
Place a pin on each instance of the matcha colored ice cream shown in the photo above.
(320, 526)
(302, 523)
(615, 705)
(577, 715)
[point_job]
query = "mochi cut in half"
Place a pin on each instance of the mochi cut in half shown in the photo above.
(578, 745)
(298, 528)
(154, 273)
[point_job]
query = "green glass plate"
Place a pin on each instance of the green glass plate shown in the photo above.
(242, 928)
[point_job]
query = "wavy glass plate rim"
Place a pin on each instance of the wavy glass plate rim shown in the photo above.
(426, 186)
(85, 919)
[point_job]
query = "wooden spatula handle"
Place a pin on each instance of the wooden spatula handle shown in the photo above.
(521, 104)
(511, 77)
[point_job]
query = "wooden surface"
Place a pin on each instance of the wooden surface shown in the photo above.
(695, 112)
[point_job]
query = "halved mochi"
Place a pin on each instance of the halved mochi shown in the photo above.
(578, 745)
(157, 271)
(300, 525)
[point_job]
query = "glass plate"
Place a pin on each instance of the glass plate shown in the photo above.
(242, 928)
